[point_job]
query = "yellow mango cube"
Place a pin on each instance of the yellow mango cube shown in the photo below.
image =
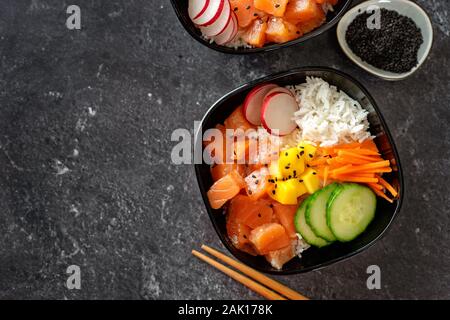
(311, 180)
(307, 151)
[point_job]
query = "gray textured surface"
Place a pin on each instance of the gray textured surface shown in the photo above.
(85, 172)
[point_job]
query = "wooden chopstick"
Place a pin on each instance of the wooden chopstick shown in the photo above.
(268, 282)
(266, 293)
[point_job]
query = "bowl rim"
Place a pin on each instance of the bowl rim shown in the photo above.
(242, 51)
(269, 78)
(372, 69)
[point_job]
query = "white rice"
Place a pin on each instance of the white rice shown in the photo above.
(328, 116)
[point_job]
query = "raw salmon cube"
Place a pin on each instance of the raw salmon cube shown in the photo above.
(225, 189)
(280, 31)
(255, 34)
(298, 11)
(286, 214)
(236, 120)
(269, 237)
(278, 258)
(245, 11)
(252, 213)
(273, 7)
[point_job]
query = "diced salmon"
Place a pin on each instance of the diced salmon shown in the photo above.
(269, 237)
(279, 257)
(279, 30)
(217, 150)
(225, 189)
(257, 183)
(300, 11)
(255, 34)
(218, 171)
(245, 11)
(310, 25)
(286, 214)
(236, 120)
(238, 233)
(252, 213)
(273, 7)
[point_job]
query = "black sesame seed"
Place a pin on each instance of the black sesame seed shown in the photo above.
(248, 7)
(277, 5)
(310, 155)
(250, 192)
(302, 152)
(253, 176)
(256, 181)
(235, 9)
(245, 237)
(286, 154)
(270, 205)
(273, 192)
(298, 157)
(276, 186)
(259, 215)
(301, 180)
(314, 173)
(255, 14)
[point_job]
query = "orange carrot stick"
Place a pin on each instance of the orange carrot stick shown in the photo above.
(375, 186)
(373, 165)
(366, 152)
(357, 179)
(381, 194)
(341, 169)
(379, 170)
(358, 156)
(390, 188)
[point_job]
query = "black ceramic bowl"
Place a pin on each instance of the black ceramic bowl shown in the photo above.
(181, 9)
(312, 258)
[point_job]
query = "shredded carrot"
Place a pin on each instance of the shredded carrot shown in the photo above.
(358, 179)
(376, 170)
(317, 162)
(352, 160)
(366, 152)
(381, 194)
(358, 156)
(390, 188)
(373, 165)
(369, 144)
(341, 170)
(375, 186)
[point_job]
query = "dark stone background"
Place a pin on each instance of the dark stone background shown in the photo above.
(85, 171)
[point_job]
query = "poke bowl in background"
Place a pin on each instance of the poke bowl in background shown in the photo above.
(181, 10)
(313, 258)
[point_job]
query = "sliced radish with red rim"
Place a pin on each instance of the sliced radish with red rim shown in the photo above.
(211, 13)
(254, 100)
(225, 35)
(280, 89)
(277, 114)
(196, 8)
(219, 25)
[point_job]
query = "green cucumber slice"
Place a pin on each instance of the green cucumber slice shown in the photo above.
(316, 213)
(305, 231)
(350, 209)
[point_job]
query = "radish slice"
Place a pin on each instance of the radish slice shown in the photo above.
(254, 100)
(278, 112)
(219, 25)
(211, 13)
(236, 27)
(280, 89)
(226, 34)
(196, 8)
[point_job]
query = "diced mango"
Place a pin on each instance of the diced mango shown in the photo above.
(307, 151)
(290, 163)
(280, 31)
(311, 180)
(273, 7)
(274, 170)
(287, 192)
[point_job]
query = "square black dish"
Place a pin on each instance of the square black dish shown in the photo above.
(312, 258)
(181, 10)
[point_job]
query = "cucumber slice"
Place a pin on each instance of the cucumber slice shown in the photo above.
(350, 210)
(316, 213)
(305, 231)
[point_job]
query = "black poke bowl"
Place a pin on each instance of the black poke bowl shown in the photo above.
(181, 10)
(313, 258)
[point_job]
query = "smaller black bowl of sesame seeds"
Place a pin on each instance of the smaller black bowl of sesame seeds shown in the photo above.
(390, 39)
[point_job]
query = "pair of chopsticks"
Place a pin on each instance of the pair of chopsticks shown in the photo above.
(266, 287)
